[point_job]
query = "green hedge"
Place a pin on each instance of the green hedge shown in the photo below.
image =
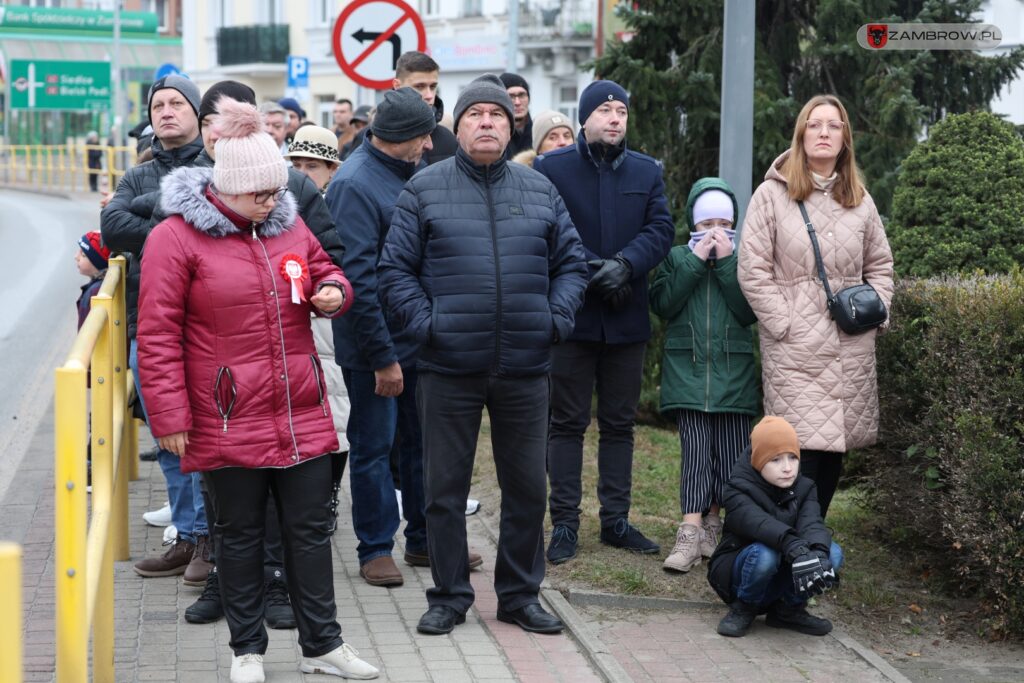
(948, 477)
(959, 200)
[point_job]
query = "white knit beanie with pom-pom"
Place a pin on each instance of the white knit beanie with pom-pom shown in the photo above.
(247, 159)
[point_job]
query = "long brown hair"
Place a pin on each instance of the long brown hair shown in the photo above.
(848, 189)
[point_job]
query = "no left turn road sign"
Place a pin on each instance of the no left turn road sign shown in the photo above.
(370, 35)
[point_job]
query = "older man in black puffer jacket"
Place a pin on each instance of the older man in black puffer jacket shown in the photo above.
(483, 265)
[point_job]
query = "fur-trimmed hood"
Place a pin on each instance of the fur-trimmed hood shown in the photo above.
(183, 191)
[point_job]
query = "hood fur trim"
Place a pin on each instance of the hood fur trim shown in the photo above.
(183, 191)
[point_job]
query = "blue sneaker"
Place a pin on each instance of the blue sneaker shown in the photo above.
(622, 534)
(563, 545)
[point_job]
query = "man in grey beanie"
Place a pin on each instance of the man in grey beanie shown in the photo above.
(378, 361)
(484, 269)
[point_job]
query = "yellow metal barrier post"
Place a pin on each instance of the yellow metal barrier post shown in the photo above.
(100, 550)
(10, 613)
(70, 436)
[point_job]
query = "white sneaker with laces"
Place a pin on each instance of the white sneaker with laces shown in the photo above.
(342, 661)
(170, 533)
(247, 669)
(161, 517)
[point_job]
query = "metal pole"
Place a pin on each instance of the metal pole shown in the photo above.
(736, 137)
(116, 76)
(513, 36)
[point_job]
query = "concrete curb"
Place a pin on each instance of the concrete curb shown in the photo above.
(595, 651)
(868, 655)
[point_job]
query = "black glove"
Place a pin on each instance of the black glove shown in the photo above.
(619, 299)
(611, 275)
(809, 575)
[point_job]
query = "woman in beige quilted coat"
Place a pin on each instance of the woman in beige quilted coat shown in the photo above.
(818, 378)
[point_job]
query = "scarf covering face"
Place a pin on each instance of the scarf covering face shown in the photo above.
(698, 235)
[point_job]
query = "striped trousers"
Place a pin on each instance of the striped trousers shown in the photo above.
(710, 444)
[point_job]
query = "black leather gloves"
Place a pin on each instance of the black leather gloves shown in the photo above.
(611, 275)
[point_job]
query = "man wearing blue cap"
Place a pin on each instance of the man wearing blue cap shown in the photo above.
(616, 198)
(296, 115)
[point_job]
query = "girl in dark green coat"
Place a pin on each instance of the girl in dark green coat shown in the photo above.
(708, 378)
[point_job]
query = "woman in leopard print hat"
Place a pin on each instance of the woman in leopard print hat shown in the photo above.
(314, 151)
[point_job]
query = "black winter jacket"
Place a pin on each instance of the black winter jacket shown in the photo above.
(483, 265)
(756, 511)
(133, 212)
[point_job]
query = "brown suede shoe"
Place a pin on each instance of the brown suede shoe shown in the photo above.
(199, 567)
(381, 571)
(171, 563)
(422, 559)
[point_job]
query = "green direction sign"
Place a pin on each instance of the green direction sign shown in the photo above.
(47, 85)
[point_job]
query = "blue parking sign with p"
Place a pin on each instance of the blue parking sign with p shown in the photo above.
(298, 72)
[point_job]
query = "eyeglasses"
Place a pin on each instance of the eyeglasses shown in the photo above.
(834, 126)
(262, 197)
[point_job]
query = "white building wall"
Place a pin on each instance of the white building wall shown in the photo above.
(1008, 16)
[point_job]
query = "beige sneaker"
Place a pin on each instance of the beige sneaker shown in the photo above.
(711, 534)
(685, 553)
(343, 661)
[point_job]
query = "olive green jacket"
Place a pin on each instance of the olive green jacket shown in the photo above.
(708, 361)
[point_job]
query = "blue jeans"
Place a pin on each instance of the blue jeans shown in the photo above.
(188, 514)
(371, 433)
(410, 465)
(761, 577)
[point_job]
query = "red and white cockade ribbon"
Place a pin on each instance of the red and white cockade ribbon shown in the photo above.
(295, 270)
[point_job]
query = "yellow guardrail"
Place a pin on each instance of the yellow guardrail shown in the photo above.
(84, 557)
(62, 167)
(10, 613)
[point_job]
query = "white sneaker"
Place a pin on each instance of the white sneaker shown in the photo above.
(472, 506)
(170, 533)
(161, 517)
(342, 661)
(247, 669)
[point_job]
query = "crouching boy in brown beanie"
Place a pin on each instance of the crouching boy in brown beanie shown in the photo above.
(776, 551)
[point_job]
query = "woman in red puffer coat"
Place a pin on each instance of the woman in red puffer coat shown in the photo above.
(233, 382)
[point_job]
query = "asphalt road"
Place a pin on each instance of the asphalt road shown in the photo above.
(38, 238)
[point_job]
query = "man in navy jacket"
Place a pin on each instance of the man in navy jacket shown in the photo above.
(484, 267)
(616, 198)
(378, 360)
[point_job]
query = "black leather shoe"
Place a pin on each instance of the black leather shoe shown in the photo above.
(150, 455)
(531, 618)
(439, 620)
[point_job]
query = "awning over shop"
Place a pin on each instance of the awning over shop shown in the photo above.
(134, 53)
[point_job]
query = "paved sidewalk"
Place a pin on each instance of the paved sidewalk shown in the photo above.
(610, 638)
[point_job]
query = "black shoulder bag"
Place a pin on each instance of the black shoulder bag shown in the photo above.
(855, 309)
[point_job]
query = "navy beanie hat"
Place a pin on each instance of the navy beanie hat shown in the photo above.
(511, 80)
(599, 92)
(292, 104)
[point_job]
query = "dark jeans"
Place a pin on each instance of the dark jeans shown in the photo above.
(410, 464)
(240, 499)
(761, 577)
(451, 406)
(371, 432)
(824, 468)
(617, 370)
